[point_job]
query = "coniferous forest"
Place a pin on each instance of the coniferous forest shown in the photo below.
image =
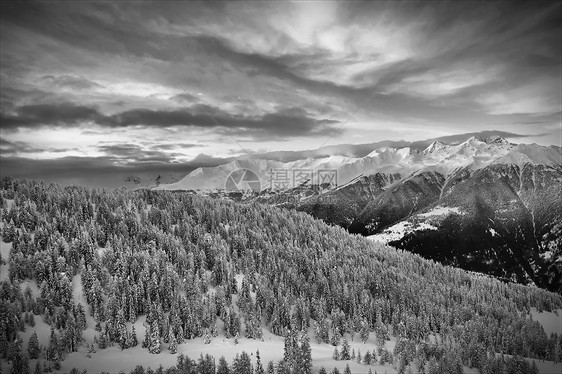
(198, 268)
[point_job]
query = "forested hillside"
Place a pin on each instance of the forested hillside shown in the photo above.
(198, 267)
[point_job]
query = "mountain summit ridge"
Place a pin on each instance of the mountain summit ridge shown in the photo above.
(445, 158)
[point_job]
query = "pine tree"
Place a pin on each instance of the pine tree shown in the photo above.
(223, 366)
(134, 341)
(33, 348)
(242, 364)
(122, 331)
(322, 370)
(345, 350)
(20, 361)
(359, 358)
(53, 347)
(336, 354)
(259, 367)
(146, 340)
(270, 368)
(534, 368)
(103, 341)
(206, 364)
(367, 359)
(155, 345)
(364, 332)
(305, 357)
(173, 347)
(347, 369)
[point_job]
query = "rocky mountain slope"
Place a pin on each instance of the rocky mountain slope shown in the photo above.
(485, 204)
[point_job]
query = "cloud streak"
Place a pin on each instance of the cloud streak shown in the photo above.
(287, 122)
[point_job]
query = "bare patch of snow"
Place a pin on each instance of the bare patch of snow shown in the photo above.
(5, 249)
(550, 321)
(441, 211)
(547, 255)
(398, 231)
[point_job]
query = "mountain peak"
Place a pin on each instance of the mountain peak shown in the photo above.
(496, 139)
(436, 145)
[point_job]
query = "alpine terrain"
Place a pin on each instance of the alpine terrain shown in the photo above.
(485, 205)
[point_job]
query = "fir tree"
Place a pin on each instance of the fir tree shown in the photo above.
(364, 332)
(33, 348)
(367, 358)
(223, 366)
(259, 367)
(336, 354)
(344, 355)
(154, 335)
(52, 353)
(305, 357)
(173, 347)
(20, 361)
(242, 364)
(270, 368)
(134, 341)
(146, 340)
(206, 364)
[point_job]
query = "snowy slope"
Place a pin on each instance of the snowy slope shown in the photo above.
(473, 153)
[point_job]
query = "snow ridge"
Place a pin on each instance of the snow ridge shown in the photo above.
(474, 153)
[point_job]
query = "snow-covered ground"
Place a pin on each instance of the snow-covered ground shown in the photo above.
(271, 349)
(441, 211)
(398, 231)
(550, 321)
(5, 249)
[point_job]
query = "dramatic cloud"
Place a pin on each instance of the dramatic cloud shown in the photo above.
(166, 82)
(284, 122)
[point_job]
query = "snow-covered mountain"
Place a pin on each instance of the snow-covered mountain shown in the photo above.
(484, 204)
(134, 182)
(438, 157)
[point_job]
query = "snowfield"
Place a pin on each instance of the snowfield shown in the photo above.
(398, 231)
(441, 211)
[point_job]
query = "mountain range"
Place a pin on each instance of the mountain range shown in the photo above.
(484, 205)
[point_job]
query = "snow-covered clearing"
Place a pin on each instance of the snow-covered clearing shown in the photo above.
(550, 321)
(441, 211)
(398, 231)
(271, 349)
(5, 249)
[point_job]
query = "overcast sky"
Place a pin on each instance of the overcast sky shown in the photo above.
(91, 87)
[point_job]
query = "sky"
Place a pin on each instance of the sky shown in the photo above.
(94, 90)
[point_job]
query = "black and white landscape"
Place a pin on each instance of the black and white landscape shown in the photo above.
(283, 187)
